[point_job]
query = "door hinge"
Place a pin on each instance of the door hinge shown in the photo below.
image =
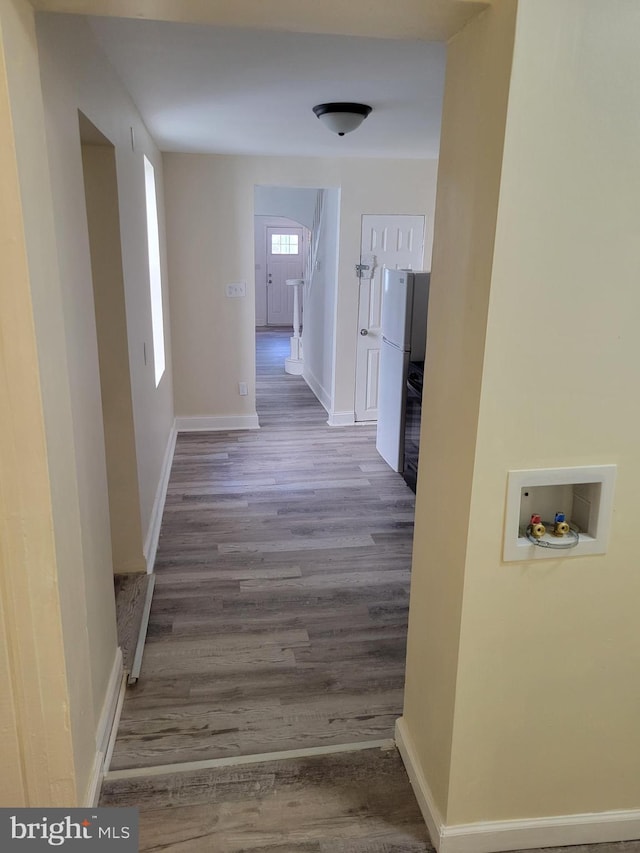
(360, 268)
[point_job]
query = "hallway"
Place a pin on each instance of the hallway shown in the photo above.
(278, 623)
(279, 616)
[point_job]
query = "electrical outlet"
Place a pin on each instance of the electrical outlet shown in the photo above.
(236, 289)
(243, 389)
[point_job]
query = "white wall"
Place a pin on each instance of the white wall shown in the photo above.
(210, 242)
(321, 305)
(295, 203)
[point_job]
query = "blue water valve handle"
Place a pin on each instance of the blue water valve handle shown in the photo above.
(560, 526)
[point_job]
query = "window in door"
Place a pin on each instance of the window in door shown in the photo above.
(284, 244)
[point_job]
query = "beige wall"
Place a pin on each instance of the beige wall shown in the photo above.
(544, 690)
(210, 243)
(55, 567)
(76, 76)
(475, 104)
(46, 733)
(103, 221)
(550, 657)
(434, 20)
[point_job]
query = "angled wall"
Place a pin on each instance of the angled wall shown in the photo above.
(522, 693)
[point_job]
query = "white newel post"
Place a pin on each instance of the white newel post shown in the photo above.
(295, 363)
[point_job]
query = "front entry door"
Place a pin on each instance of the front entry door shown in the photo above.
(284, 260)
(390, 241)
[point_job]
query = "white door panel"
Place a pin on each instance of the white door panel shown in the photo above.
(387, 241)
(280, 267)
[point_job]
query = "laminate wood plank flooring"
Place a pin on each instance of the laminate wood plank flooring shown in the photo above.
(355, 802)
(282, 581)
(359, 802)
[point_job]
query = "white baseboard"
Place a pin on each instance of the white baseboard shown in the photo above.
(498, 836)
(153, 533)
(562, 831)
(108, 720)
(341, 418)
(317, 388)
(215, 423)
(426, 803)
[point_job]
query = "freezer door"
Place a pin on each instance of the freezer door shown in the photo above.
(397, 299)
(421, 283)
(392, 391)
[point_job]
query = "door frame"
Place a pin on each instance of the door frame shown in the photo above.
(261, 223)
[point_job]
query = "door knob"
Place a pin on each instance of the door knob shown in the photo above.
(364, 331)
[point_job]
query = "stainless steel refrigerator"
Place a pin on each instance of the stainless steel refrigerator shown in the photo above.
(405, 300)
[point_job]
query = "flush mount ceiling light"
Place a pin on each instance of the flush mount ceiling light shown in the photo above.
(342, 118)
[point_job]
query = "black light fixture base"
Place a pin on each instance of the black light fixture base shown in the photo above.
(336, 109)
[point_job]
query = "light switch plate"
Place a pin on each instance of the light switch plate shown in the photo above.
(236, 289)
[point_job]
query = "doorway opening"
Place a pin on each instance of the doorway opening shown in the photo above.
(131, 581)
(296, 238)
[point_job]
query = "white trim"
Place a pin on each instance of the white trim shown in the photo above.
(294, 366)
(236, 760)
(136, 666)
(106, 724)
(341, 418)
(153, 533)
(562, 831)
(316, 386)
(216, 423)
(421, 789)
(497, 836)
(92, 794)
(116, 723)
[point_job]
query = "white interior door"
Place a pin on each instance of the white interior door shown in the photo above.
(390, 241)
(284, 260)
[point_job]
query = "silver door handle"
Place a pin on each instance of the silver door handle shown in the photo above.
(364, 331)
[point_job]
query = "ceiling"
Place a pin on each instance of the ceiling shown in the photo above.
(215, 89)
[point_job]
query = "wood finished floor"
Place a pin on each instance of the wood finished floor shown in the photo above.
(280, 610)
(357, 802)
